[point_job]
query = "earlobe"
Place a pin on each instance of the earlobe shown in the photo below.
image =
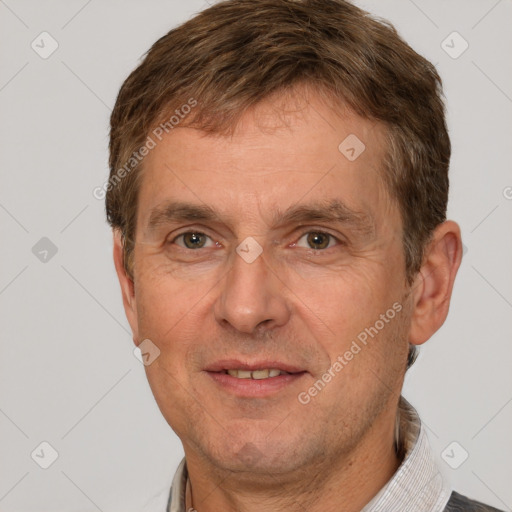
(433, 286)
(126, 283)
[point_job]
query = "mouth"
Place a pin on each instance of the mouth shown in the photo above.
(253, 380)
(268, 373)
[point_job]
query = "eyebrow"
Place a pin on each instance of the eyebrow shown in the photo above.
(333, 211)
(177, 211)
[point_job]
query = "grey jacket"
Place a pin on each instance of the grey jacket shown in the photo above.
(459, 503)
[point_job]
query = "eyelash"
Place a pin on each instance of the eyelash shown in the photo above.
(319, 232)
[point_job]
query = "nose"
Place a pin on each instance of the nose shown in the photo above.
(252, 296)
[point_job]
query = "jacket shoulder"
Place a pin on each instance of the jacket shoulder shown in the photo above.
(460, 503)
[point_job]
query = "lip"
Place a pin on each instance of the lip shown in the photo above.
(253, 388)
(236, 364)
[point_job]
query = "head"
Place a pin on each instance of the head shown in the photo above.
(310, 136)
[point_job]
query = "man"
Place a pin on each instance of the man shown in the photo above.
(278, 193)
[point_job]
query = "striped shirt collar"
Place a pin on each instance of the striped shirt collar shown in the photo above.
(416, 485)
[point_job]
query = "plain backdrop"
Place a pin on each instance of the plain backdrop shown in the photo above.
(68, 376)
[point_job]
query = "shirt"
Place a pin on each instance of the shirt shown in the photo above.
(416, 485)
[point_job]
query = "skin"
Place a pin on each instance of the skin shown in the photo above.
(294, 303)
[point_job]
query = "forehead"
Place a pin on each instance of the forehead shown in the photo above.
(285, 152)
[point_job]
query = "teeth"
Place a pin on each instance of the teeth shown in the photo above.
(260, 374)
(256, 374)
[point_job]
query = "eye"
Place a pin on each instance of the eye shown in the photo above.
(317, 240)
(193, 240)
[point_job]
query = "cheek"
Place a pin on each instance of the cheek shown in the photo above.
(367, 354)
(358, 317)
(345, 301)
(172, 314)
(168, 315)
(165, 303)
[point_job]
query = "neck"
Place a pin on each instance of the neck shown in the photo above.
(344, 481)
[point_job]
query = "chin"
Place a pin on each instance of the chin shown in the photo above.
(256, 454)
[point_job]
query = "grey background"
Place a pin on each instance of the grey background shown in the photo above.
(68, 375)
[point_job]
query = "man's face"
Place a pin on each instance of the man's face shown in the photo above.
(211, 302)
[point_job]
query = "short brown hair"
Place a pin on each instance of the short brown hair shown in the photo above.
(236, 53)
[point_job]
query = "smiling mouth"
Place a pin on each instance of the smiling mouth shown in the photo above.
(254, 379)
(255, 374)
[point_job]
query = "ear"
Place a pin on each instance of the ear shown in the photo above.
(127, 286)
(433, 286)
